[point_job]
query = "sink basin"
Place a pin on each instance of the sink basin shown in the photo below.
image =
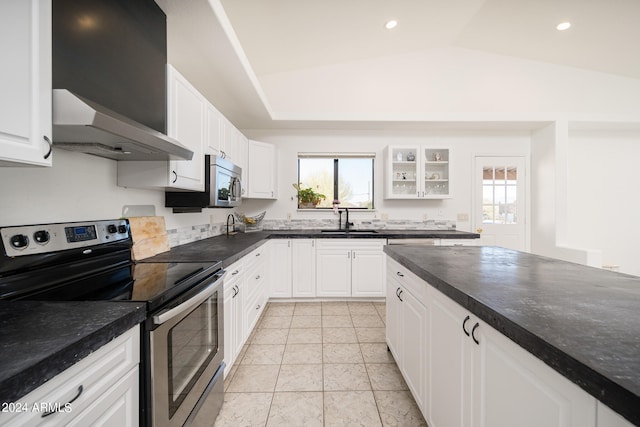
(349, 231)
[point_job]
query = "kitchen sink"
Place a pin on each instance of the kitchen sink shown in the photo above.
(348, 231)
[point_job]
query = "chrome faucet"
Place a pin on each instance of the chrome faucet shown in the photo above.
(233, 224)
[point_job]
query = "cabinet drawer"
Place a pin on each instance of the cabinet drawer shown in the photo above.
(255, 281)
(83, 383)
(408, 280)
(256, 256)
(351, 243)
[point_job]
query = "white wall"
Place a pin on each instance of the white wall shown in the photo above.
(79, 187)
(443, 81)
(603, 195)
(463, 144)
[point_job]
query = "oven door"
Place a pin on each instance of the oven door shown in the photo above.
(186, 351)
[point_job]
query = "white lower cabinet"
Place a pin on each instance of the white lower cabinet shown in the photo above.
(234, 321)
(464, 373)
(293, 268)
(102, 389)
(350, 268)
(407, 329)
(478, 377)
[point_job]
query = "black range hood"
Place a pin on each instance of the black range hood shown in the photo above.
(109, 78)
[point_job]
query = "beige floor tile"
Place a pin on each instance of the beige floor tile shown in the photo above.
(276, 322)
(398, 409)
(306, 322)
(367, 321)
(345, 377)
(270, 336)
(371, 334)
(254, 378)
(300, 378)
(362, 308)
(280, 309)
(259, 354)
(339, 335)
(308, 309)
(302, 354)
(243, 351)
(341, 353)
(296, 409)
(385, 376)
(335, 309)
(244, 409)
(376, 353)
(337, 321)
(350, 408)
(304, 336)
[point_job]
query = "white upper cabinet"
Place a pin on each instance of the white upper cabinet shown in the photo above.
(25, 83)
(416, 172)
(213, 122)
(262, 171)
(186, 122)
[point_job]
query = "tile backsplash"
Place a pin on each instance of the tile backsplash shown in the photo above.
(182, 235)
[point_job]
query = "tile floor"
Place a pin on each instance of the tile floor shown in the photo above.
(318, 364)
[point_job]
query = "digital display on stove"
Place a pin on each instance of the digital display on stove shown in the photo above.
(80, 233)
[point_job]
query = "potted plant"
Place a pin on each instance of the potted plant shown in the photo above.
(307, 198)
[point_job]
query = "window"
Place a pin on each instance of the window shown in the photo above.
(347, 178)
(499, 190)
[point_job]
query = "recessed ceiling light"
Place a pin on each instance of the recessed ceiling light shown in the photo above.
(391, 24)
(563, 26)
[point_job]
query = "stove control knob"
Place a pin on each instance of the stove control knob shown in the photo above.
(41, 236)
(112, 228)
(122, 229)
(19, 241)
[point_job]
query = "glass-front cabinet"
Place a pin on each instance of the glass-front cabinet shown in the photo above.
(416, 172)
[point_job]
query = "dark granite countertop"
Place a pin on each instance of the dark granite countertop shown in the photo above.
(581, 321)
(229, 249)
(38, 340)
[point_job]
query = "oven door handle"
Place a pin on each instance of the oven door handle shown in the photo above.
(196, 300)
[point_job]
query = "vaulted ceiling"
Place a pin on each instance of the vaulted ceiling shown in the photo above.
(276, 36)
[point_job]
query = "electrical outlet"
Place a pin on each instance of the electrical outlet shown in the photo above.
(425, 216)
(385, 216)
(288, 216)
(463, 217)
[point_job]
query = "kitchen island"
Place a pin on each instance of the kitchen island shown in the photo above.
(580, 321)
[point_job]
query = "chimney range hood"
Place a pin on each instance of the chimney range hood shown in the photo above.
(84, 126)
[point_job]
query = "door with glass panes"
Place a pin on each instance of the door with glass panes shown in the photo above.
(500, 201)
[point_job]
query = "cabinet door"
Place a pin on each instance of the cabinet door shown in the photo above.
(280, 268)
(186, 124)
(513, 387)
(304, 268)
(237, 318)
(213, 135)
(448, 362)
(262, 171)
(402, 175)
(333, 273)
(25, 83)
(368, 273)
(393, 319)
(229, 140)
(414, 327)
(242, 159)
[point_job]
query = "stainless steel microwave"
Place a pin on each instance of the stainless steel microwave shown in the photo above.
(226, 184)
(222, 188)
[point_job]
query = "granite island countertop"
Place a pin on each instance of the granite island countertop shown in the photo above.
(581, 321)
(39, 340)
(229, 249)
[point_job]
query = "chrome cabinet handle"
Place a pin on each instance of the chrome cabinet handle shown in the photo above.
(464, 322)
(398, 293)
(235, 272)
(354, 254)
(80, 389)
(473, 333)
(258, 254)
(399, 297)
(399, 274)
(48, 141)
(258, 277)
(258, 307)
(175, 174)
